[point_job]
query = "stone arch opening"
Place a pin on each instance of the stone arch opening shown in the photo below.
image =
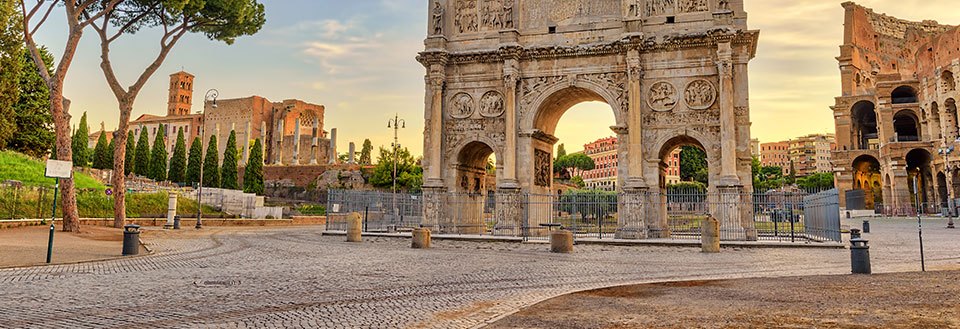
(947, 81)
(473, 205)
(866, 177)
(552, 107)
(672, 155)
(904, 95)
(906, 126)
(864, 125)
(934, 125)
(952, 117)
(919, 176)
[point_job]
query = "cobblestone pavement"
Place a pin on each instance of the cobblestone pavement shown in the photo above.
(295, 277)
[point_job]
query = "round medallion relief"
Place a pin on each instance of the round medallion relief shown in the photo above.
(700, 94)
(663, 96)
(491, 105)
(461, 106)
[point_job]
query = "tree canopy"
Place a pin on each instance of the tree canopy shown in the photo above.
(409, 174)
(365, 153)
(693, 165)
(142, 157)
(158, 158)
(211, 165)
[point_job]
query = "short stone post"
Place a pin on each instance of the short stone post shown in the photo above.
(171, 211)
(421, 238)
(561, 241)
(710, 235)
(354, 228)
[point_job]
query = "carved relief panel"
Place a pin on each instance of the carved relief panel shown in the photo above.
(461, 106)
(540, 13)
(542, 168)
(662, 96)
(700, 94)
(653, 8)
(465, 18)
(491, 105)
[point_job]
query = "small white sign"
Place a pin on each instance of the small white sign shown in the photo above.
(59, 169)
(336, 207)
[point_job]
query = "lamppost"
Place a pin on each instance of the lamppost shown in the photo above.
(211, 96)
(945, 151)
(396, 123)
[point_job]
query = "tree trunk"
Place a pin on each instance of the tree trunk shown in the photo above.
(119, 158)
(68, 192)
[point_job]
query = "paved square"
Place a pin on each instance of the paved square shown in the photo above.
(295, 277)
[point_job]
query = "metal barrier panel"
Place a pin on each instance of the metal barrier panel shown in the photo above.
(822, 216)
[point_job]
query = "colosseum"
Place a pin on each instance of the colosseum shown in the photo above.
(896, 119)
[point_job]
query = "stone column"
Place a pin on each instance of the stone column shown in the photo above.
(352, 155)
(333, 146)
(434, 134)
(634, 119)
(314, 143)
(279, 151)
(296, 143)
(263, 141)
(728, 120)
(511, 78)
(246, 144)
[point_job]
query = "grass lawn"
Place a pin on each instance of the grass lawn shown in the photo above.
(19, 167)
(36, 203)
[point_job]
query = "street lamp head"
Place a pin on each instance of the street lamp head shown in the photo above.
(211, 96)
(390, 124)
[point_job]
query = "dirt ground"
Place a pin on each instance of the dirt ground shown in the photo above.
(905, 300)
(27, 246)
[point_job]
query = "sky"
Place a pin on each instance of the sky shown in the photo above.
(358, 59)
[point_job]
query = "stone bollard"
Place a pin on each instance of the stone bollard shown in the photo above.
(354, 228)
(421, 239)
(710, 236)
(859, 256)
(561, 241)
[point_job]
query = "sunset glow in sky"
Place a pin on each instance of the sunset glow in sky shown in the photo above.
(358, 59)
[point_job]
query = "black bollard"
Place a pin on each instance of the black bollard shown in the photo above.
(859, 256)
(866, 226)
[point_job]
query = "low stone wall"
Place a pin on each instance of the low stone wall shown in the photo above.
(184, 222)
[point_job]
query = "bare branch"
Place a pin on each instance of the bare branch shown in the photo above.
(45, 15)
(106, 10)
(32, 47)
(126, 26)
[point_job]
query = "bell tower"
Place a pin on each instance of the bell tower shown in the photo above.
(181, 94)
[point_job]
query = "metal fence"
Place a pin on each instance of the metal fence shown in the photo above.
(772, 216)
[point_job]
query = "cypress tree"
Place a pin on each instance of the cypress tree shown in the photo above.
(158, 160)
(79, 143)
(365, 152)
(178, 163)
(129, 155)
(108, 156)
(99, 152)
(195, 161)
(253, 175)
(228, 173)
(211, 165)
(142, 156)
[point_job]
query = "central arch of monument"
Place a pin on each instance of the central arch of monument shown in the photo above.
(501, 73)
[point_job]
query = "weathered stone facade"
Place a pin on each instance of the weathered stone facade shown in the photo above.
(501, 73)
(897, 110)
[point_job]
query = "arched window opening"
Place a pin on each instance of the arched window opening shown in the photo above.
(865, 126)
(947, 81)
(906, 126)
(904, 95)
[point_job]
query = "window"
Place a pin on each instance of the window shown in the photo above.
(671, 19)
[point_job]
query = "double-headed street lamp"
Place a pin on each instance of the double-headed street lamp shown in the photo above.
(945, 151)
(396, 124)
(211, 97)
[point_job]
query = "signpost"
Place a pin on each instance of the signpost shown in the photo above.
(56, 169)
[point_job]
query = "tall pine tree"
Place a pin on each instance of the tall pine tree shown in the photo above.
(80, 139)
(178, 163)
(142, 157)
(128, 156)
(195, 162)
(158, 158)
(253, 174)
(100, 152)
(211, 165)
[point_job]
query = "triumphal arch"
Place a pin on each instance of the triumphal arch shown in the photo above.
(501, 73)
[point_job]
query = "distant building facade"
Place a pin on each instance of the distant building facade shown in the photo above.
(776, 154)
(807, 155)
(604, 154)
(274, 123)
